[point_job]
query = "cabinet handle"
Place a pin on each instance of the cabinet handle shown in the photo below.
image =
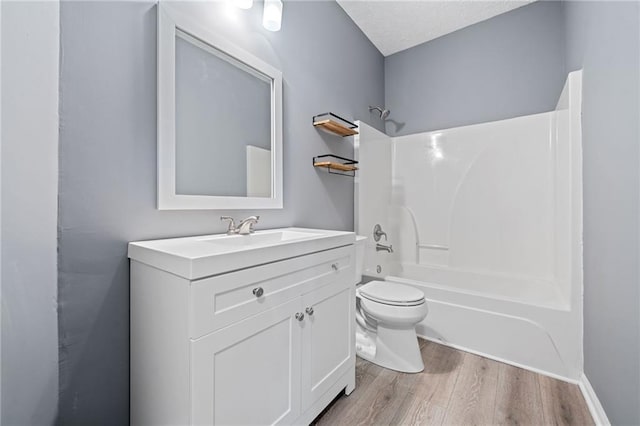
(309, 311)
(299, 316)
(258, 291)
(334, 266)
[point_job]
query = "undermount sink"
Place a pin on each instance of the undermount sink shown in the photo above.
(260, 238)
(208, 255)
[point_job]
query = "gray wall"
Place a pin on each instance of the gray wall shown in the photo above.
(29, 369)
(604, 39)
(504, 67)
(107, 193)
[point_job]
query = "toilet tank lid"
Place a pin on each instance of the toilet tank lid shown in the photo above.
(391, 292)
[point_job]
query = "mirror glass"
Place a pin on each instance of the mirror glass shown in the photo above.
(219, 121)
(223, 123)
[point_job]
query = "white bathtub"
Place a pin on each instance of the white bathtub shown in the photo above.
(527, 290)
(519, 321)
(486, 220)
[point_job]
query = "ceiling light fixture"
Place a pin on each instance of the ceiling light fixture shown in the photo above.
(272, 15)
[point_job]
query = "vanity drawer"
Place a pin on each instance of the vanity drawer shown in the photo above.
(219, 301)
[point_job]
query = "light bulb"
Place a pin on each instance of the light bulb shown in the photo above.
(272, 15)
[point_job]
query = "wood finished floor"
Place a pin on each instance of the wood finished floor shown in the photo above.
(456, 388)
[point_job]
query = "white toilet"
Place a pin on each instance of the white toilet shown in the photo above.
(386, 316)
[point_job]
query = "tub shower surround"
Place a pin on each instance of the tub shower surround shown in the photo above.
(486, 220)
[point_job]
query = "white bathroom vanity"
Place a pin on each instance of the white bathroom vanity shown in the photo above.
(241, 329)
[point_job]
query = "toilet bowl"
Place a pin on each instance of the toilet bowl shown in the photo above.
(386, 317)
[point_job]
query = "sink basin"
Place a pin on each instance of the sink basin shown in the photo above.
(258, 239)
(207, 255)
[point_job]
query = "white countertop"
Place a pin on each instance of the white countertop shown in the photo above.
(206, 255)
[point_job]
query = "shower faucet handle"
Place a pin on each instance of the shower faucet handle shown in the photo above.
(378, 233)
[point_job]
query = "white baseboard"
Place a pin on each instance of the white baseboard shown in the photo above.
(595, 408)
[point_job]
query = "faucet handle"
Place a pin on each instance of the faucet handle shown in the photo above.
(378, 233)
(229, 218)
(231, 229)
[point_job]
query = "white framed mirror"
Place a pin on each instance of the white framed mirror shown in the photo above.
(219, 120)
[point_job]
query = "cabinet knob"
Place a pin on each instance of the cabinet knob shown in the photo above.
(258, 291)
(309, 311)
(299, 316)
(334, 266)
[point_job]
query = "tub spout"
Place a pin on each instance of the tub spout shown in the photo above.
(382, 247)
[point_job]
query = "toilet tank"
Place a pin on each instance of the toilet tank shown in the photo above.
(360, 244)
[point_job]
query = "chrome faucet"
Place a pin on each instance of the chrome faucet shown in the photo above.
(382, 247)
(245, 227)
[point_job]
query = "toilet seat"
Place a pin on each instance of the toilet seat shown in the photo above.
(391, 294)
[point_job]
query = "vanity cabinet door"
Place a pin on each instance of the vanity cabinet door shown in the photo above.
(328, 339)
(249, 373)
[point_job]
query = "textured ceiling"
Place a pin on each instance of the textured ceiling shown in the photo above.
(395, 25)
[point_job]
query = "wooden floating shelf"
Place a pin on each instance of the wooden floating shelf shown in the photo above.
(337, 125)
(336, 128)
(336, 165)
